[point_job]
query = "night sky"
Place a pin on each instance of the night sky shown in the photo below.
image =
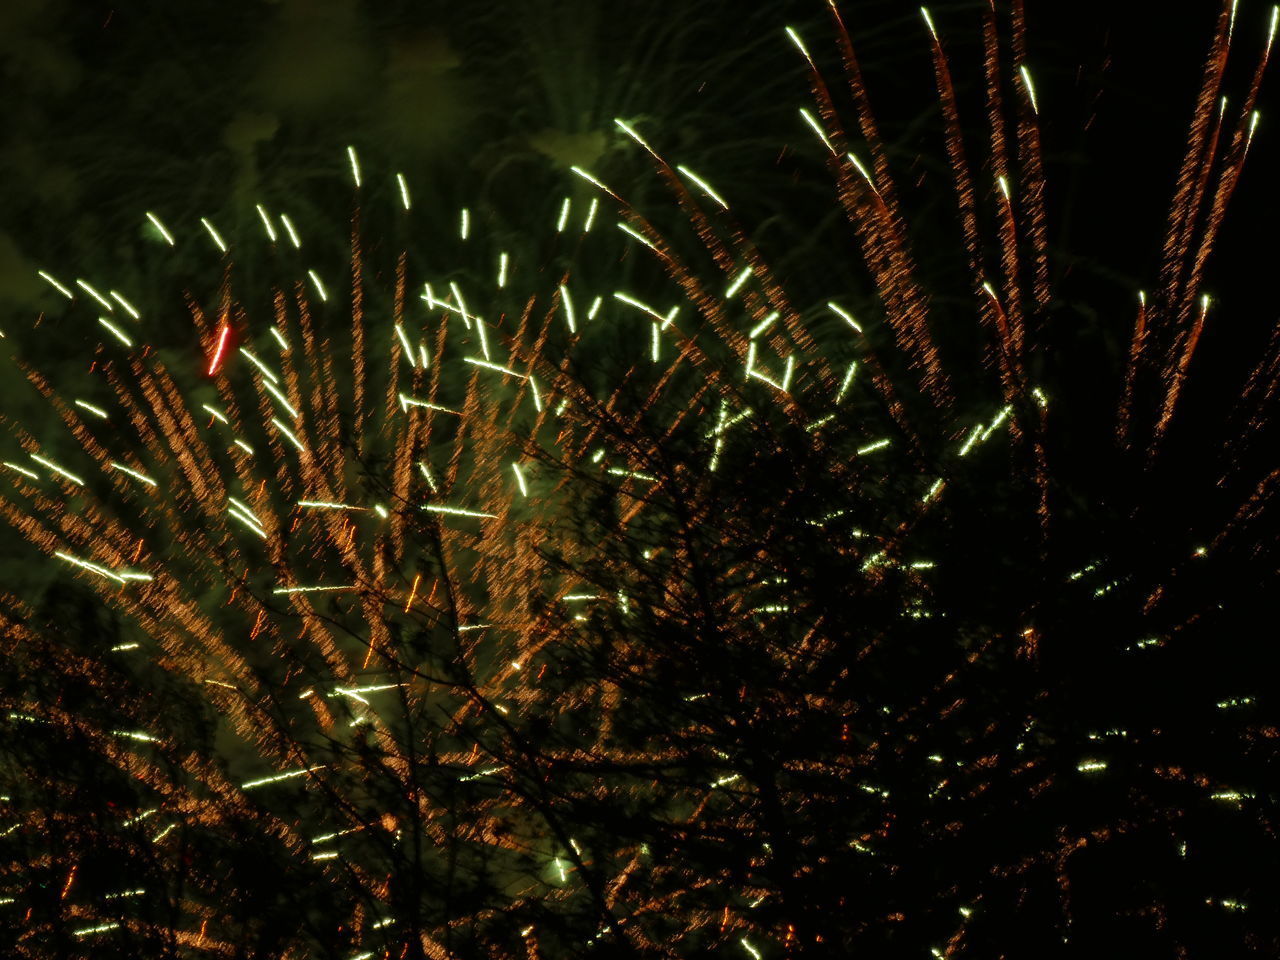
(440, 523)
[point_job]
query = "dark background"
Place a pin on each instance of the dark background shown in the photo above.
(202, 109)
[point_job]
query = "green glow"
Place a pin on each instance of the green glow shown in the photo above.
(213, 232)
(115, 331)
(355, 165)
(568, 308)
(266, 223)
(55, 284)
(703, 186)
(763, 325)
(83, 285)
(737, 283)
(48, 464)
(1031, 90)
(275, 392)
(91, 567)
(493, 366)
(289, 434)
(817, 128)
(848, 379)
(280, 776)
(458, 512)
(293, 234)
(128, 307)
(96, 411)
(30, 474)
(590, 179)
(408, 401)
(630, 131)
(133, 473)
(853, 158)
(318, 285)
(795, 38)
(155, 222)
(266, 371)
(217, 414)
(634, 235)
(633, 302)
(845, 316)
(924, 12)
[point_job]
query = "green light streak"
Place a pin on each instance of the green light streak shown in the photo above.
(128, 307)
(817, 128)
(155, 222)
(48, 464)
(266, 223)
(407, 401)
(133, 473)
(55, 284)
(85, 286)
(355, 165)
(293, 234)
(845, 316)
(737, 283)
(458, 512)
(703, 186)
(288, 433)
(217, 237)
(115, 331)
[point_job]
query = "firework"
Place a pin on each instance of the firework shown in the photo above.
(453, 617)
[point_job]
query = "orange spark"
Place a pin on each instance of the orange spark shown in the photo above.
(413, 593)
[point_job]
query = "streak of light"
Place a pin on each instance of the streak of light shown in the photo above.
(49, 464)
(289, 229)
(266, 223)
(133, 473)
(128, 307)
(213, 233)
(48, 278)
(458, 511)
(164, 232)
(355, 165)
(115, 331)
(220, 349)
(88, 288)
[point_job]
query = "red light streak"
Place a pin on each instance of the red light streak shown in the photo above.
(222, 346)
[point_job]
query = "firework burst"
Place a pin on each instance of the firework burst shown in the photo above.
(691, 617)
